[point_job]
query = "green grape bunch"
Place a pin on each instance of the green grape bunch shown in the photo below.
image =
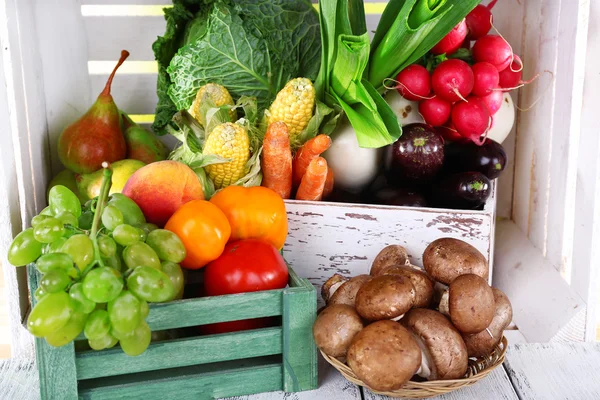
(100, 266)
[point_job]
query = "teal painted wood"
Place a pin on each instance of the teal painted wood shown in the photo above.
(181, 352)
(208, 310)
(197, 383)
(56, 366)
(299, 350)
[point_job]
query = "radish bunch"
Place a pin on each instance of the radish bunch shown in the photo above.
(462, 98)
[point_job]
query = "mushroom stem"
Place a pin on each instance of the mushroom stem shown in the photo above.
(424, 370)
(444, 306)
(398, 318)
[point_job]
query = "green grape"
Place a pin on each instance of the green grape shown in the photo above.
(39, 293)
(51, 313)
(105, 342)
(56, 246)
(97, 325)
(102, 285)
(24, 249)
(49, 262)
(126, 235)
(175, 274)
(86, 220)
(100, 306)
(124, 312)
(113, 262)
(107, 246)
(144, 309)
(142, 234)
(140, 254)
(136, 343)
(150, 284)
(111, 217)
(80, 302)
(167, 245)
(68, 219)
(48, 230)
(39, 218)
(81, 250)
(62, 199)
(147, 227)
(55, 281)
(69, 332)
(47, 211)
(132, 214)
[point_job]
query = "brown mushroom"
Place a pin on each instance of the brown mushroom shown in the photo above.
(391, 255)
(481, 344)
(334, 329)
(447, 258)
(469, 302)
(346, 292)
(384, 355)
(331, 285)
(444, 352)
(385, 297)
(422, 283)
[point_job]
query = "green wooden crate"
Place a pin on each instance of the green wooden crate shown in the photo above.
(200, 367)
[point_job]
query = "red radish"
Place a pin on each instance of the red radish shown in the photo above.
(510, 78)
(471, 119)
(435, 111)
(449, 132)
(452, 80)
(479, 21)
(452, 41)
(493, 101)
(486, 78)
(414, 82)
(493, 49)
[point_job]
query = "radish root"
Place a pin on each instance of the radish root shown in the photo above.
(403, 86)
(541, 95)
(512, 53)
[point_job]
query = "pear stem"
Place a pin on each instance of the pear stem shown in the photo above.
(106, 91)
(102, 199)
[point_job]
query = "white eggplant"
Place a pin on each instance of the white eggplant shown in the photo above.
(503, 120)
(407, 111)
(353, 167)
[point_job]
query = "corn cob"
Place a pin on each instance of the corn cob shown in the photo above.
(218, 94)
(293, 105)
(231, 141)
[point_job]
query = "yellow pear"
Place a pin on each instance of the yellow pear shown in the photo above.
(89, 184)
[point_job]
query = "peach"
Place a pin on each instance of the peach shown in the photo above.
(160, 188)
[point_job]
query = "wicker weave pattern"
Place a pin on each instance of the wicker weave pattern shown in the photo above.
(478, 369)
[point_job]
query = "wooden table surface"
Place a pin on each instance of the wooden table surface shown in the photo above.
(557, 371)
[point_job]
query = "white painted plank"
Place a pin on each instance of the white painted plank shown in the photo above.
(133, 93)
(18, 379)
(327, 238)
(555, 371)
(514, 336)
(332, 385)
(543, 303)
(495, 386)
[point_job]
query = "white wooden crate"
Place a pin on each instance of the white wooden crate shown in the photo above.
(56, 55)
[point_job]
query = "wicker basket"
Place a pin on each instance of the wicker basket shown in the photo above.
(478, 369)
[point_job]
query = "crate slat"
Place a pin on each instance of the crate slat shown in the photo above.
(180, 353)
(208, 310)
(193, 383)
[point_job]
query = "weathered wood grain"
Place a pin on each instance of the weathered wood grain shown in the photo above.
(181, 353)
(495, 386)
(554, 371)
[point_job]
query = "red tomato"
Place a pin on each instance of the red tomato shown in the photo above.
(247, 265)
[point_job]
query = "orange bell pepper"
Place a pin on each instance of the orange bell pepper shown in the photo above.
(254, 213)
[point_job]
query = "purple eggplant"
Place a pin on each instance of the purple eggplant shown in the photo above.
(490, 159)
(464, 190)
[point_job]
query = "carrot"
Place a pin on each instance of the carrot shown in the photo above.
(309, 151)
(328, 184)
(313, 182)
(276, 161)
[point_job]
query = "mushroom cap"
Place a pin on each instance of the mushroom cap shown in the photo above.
(446, 350)
(471, 303)
(384, 355)
(334, 329)
(385, 297)
(481, 344)
(346, 293)
(390, 256)
(422, 283)
(331, 285)
(447, 258)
